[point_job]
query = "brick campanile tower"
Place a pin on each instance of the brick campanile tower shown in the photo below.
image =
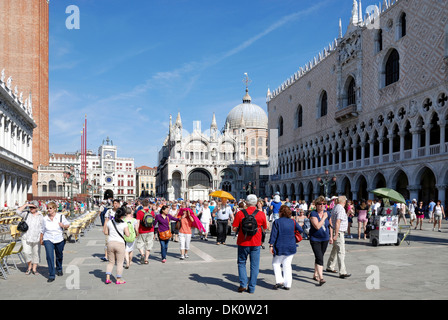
(24, 56)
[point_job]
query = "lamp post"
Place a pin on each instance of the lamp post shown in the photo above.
(69, 177)
(327, 182)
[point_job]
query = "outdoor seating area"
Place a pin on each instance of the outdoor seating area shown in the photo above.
(80, 225)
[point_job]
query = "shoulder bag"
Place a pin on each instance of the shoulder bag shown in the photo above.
(23, 226)
(297, 234)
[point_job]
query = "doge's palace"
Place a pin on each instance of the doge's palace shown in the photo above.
(371, 108)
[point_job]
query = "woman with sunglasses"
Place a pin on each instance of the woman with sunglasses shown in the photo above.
(420, 212)
(52, 238)
(319, 237)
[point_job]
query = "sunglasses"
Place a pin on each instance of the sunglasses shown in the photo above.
(320, 204)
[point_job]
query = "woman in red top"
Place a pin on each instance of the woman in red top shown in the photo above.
(186, 222)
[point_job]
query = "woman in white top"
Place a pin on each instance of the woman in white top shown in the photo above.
(439, 213)
(206, 219)
(31, 238)
(115, 229)
(52, 237)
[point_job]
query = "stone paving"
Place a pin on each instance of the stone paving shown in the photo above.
(414, 270)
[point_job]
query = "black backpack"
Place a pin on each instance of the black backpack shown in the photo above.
(249, 224)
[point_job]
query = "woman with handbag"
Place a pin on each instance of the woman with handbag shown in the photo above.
(282, 245)
(52, 237)
(163, 219)
(115, 229)
(32, 220)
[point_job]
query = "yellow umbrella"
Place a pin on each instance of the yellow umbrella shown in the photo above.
(221, 194)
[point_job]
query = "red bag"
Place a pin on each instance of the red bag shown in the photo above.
(297, 234)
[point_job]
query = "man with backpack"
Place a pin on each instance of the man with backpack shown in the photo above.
(145, 226)
(249, 223)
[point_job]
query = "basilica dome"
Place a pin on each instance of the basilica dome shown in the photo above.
(251, 114)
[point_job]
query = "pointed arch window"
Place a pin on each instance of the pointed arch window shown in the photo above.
(299, 116)
(393, 67)
(351, 93)
(402, 25)
(323, 105)
(280, 126)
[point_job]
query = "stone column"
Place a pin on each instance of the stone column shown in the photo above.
(427, 137)
(402, 135)
(2, 129)
(2, 189)
(413, 191)
(14, 190)
(340, 158)
(347, 156)
(7, 134)
(372, 150)
(8, 197)
(442, 124)
(415, 142)
(370, 194)
(391, 147)
(354, 194)
(441, 195)
(381, 139)
(333, 162)
(363, 153)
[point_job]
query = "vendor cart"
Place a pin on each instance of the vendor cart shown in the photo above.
(384, 227)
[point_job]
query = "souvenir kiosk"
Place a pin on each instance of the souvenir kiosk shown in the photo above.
(384, 227)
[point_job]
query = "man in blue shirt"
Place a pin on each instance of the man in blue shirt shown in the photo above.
(431, 206)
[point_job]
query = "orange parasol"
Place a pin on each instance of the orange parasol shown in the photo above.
(221, 194)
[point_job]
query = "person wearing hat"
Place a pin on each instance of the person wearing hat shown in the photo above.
(249, 246)
(31, 238)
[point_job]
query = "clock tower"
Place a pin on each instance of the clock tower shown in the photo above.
(108, 154)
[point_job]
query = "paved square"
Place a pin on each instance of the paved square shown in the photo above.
(414, 270)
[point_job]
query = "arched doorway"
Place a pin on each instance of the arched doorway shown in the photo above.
(362, 188)
(293, 192)
(300, 192)
(108, 194)
(199, 184)
(379, 181)
(402, 184)
(310, 194)
(428, 189)
(284, 193)
(347, 188)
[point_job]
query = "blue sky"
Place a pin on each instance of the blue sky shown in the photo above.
(133, 63)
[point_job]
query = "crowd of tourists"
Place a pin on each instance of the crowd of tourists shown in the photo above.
(134, 228)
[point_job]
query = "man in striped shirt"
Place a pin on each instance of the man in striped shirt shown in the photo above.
(339, 225)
